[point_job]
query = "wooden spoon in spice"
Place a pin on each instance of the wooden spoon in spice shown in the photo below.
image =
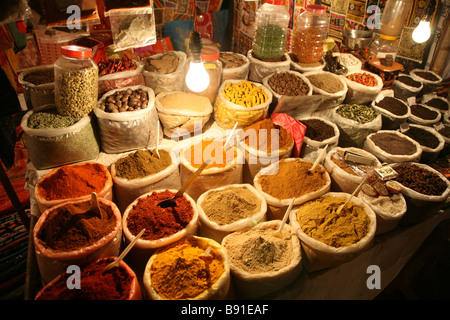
(95, 205)
(338, 211)
(283, 222)
(116, 262)
(318, 159)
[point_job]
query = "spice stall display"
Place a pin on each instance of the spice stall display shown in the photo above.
(205, 274)
(394, 111)
(363, 87)
(429, 139)
(287, 83)
(235, 66)
(38, 85)
(182, 112)
(118, 73)
(163, 226)
(429, 79)
(163, 72)
(73, 182)
(329, 237)
(424, 188)
(228, 209)
(290, 178)
(224, 168)
(333, 87)
(73, 233)
(244, 102)
(127, 119)
(405, 87)
(261, 260)
(119, 283)
(423, 115)
(319, 133)
(348, 167)
(76, 82)
(65, 139)
(263, 142)
(142, 171)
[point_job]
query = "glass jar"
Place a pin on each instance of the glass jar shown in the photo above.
(76, 82)
(213, 66)
(394, 17)
(270, 33)
(311, 30)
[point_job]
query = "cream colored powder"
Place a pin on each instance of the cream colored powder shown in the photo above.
(185, 101)
(392, 204)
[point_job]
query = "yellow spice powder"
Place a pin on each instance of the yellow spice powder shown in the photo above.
(319, 220)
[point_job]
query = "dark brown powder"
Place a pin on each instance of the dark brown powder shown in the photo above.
(423, 112)
(437, 103)
(318, 130)
(409, 81)
(393, 143)
(423, 137)
(393, 105)
(426, 75)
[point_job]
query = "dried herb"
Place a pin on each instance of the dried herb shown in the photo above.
(49, 118)
(360, 113)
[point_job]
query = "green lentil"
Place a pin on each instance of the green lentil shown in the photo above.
(360, 113)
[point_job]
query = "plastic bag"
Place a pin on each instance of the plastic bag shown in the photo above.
(330, 99)
(360, 94)
(37, 96)
(318, 255)
(236, 73)
(217, 291)
(169, 82)
(227, 113)
(384, 156)
(390, 121)
(44, 204)
(129, 130)
(120, 80)
(341, 180)
(52, 147)
(132, 28)
(213, 230)
(126, 191)
(53, 262)
(256, 285)
(260, 69)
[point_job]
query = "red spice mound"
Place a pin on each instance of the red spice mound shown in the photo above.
(95, 284)
(159, 222)
(73, 181)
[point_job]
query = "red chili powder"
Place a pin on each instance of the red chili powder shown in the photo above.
(73, 181)
(159, 222)
(95, 284)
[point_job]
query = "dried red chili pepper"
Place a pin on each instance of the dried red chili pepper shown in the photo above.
(364, 79)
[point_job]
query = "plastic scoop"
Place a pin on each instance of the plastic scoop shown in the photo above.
(319, 158)
(283, 222)
(95, 205)
(116, 262)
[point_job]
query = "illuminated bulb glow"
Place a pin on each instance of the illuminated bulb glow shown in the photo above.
(422, 32)
(197, 79)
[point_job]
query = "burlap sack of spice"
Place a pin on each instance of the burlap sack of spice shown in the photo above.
(211, 177)
(421, 205)
(43, 203)
(124, 131)
(40, 95)
(218, 290)
(360, 94)
(261, 69)
(143, 248)
(53, 262)
(254, 285)
(126, 191)
(330, 99)
(62, 146)
(385, 156)
(211, 229)
(165, 82)
(390, 121)
(386, 221)
(277, 207)
(429, 154)
(318, 255)
(341, 180)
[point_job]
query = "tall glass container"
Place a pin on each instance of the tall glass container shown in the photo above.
(76, 81)
(394, 17)
(271, 22)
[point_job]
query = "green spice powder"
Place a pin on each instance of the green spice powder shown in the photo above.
(142, 163)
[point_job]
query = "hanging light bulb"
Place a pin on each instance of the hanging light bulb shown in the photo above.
(423, 31)
(197, 79)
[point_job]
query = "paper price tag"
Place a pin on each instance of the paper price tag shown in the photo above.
(412, 100)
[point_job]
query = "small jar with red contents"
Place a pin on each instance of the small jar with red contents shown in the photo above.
(76, 82)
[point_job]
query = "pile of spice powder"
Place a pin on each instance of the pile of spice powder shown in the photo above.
(393, 143)
(266, 132)
(318, 130)
(142, 163)
(210, 150)
(159, 222)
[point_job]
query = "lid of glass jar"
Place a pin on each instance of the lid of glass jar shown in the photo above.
(275, 2)
(76, 51)
(210, 54)
(316, 8)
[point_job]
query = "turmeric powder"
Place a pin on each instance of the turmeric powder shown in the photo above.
(182, 271)
(212, 150)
